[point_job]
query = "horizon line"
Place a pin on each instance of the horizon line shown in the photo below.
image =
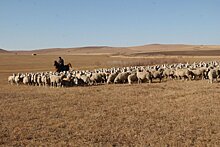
(99, 46)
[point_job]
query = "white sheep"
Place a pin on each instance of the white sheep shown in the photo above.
(11, 79)
(26, 79)
(96, 78)
(18, 79)
(122, 77)
(132, 78)
(112, 77)
(55, 80)
(85, 79)
(144, 76)
(157, 74)
(213, 74)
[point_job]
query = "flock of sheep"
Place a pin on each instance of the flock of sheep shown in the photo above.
(134, 74)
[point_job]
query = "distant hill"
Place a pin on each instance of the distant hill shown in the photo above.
(151, 49)
(3, 51)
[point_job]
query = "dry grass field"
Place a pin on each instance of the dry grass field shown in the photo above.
(171, 113)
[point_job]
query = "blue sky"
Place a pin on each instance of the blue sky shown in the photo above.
(34, 24)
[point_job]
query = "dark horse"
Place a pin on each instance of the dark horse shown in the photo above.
(62, 68)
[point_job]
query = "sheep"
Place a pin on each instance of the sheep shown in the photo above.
(198, 73)
(104, 77)
(18, 79)
(39, 81)
(78, 82)
(132, 78)
(32, 79)
(213, 74)
(67, 80)
(157, 74)
(122, 77)
(26, 79)
(55, 80)
(45, 80)
(11, 79)
(168, 73)
(85, 79)
(200, 70)
(35, 79)
(183, 73)
(96, 78)
(144, 76)
(112, 77)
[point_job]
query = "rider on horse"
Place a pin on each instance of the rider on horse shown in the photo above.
(61, 62)
(60, 65)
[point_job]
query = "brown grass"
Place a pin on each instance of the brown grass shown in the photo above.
(176, 113)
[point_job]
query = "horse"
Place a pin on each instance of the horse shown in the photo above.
(60, 68)
(67, 67)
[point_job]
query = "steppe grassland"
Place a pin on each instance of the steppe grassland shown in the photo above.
(168, 113)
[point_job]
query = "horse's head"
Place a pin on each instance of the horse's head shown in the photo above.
(69, 64)
(55, 63)
(57, 66)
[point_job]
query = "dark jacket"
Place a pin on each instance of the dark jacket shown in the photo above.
(61, 62)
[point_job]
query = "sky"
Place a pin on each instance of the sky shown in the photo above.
(37, 24)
